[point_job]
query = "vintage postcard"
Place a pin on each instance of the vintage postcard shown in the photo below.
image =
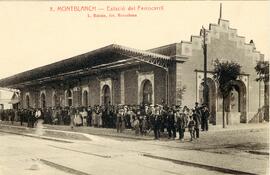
(134, 87)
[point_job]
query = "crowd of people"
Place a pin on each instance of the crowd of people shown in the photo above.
(161, 119)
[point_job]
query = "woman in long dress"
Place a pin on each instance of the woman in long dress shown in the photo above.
(94, 120)
(78, 118)
(39, 122)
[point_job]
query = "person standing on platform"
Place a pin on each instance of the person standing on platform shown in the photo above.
(89, 116)
(99, 117)
(180, 123)
(119, 120)
(28, 117)
(136, 125)
(12, 116)
(123, 119)
(197, 108)
(144, 125)
(37, 116)
(157, 122)
(191, 128)
(78, 118)
(71, 113)
(197, 119)
(20, 116)
(171, 124)
(84, 117)
(205, 117)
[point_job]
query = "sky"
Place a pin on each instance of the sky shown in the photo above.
(31, 35)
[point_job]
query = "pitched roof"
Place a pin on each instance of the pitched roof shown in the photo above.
(87, 60)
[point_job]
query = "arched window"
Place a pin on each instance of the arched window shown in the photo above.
(43, 100)
(85, 98)
(147, 92)
(106, 95)
(69, 98)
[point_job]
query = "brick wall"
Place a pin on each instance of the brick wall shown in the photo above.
(131, 86)
(49, 97)
(160, 85)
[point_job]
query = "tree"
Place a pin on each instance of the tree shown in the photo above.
(224, 74)
(262, 69)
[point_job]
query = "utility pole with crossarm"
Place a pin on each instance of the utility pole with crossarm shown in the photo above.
(204, 46)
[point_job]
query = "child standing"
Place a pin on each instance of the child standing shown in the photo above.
(191, 128)
(136, 125)
(144, 126)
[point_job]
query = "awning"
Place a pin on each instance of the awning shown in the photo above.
(102, 56)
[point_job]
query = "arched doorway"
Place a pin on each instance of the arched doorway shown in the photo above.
(106, 95)
(211, 98)
(147, 92)
(236, 101)
(85, 98)
(27, 100)
(42, 100)
(69, 98)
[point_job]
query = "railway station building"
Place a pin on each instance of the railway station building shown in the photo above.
(170, 74)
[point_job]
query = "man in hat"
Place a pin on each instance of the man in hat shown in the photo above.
(171, 124)
(205, 117)
(127, 117)
(180, 123)
(164, 114)
(197, 120)
(89, 116)
(119, 119)
(157, 121)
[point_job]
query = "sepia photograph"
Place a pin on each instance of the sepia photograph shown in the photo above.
(134, 87)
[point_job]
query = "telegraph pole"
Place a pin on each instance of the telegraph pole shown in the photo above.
(204, 46)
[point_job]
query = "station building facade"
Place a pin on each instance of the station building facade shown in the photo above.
(171, 74)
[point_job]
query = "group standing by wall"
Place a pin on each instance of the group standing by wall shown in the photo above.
(162, 120)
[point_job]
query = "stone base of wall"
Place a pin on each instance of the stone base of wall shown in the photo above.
(231, 118)
(254, 117)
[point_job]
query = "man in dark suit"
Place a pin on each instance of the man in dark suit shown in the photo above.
(157, 122)
(197, 119)
(180, 123)
(171, 124)
(205, 117)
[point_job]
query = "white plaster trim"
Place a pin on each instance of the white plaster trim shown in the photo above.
(245, 80)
